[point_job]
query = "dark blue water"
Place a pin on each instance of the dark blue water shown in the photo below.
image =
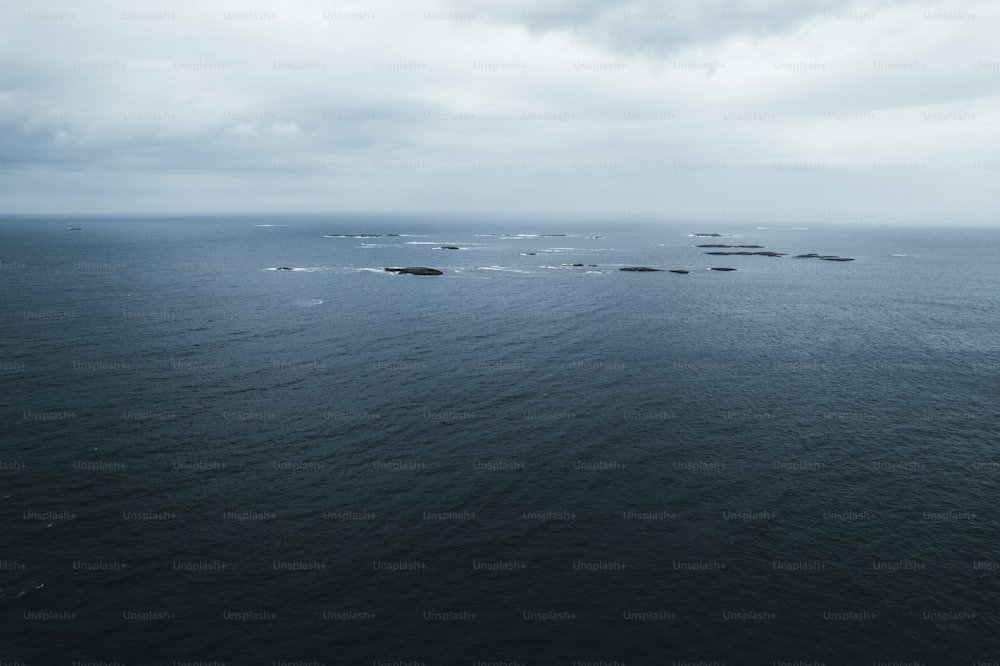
(208, 460)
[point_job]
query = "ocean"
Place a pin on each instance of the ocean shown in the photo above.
(208, 460)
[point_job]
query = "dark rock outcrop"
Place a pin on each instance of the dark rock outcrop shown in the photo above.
(416, 270)
(641, 269)
(751, 254)
(678, 270)
(283, 268)
(708, 235)
(722, 269)
(825, 257)
(450, 247)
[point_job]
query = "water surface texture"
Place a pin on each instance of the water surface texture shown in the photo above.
(208, 459)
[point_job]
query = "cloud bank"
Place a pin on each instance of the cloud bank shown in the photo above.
(761, 111)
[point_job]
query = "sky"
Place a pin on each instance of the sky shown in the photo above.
(765, 111)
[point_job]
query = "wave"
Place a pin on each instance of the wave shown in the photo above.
(504, 269)
(301, 269)
(525, 236)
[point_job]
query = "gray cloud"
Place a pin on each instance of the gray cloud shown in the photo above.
(726, 109)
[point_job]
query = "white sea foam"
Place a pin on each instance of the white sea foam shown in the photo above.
(504, 269)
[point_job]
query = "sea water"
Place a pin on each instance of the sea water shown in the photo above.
(205, 458)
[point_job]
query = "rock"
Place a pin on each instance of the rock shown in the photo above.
(640, 269)
(826, 257)
(450, 247)
(678, 270)
(723, 269)
(576, 264)
(750, 254)
(717, 245)
(416, 270)
(283, 268)
(708, 235)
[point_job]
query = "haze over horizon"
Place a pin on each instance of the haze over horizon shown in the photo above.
(766, 112)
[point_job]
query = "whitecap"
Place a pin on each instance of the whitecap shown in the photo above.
(308, 303)
(301, 269)
(500, 268)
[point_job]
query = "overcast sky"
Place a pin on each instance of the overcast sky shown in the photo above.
(764, 111)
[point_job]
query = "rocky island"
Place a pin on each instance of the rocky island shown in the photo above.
(760, 254)
(825, 257)
(415, 270)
